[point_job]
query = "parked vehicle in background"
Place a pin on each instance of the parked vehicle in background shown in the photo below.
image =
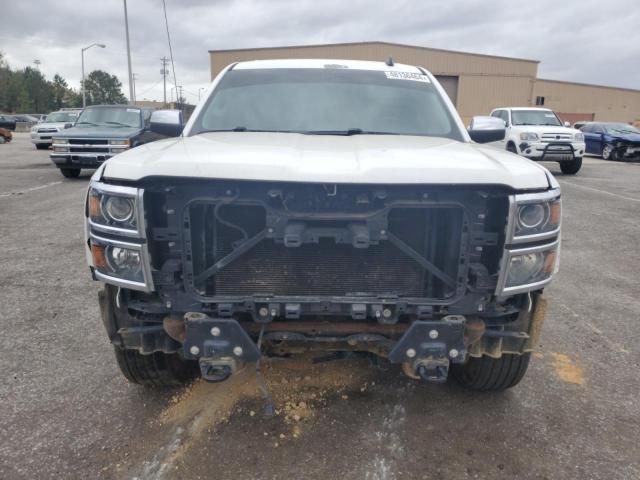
(100, 132)
(7, 122)
(40, 116)
(613, 141)
(324, 205)
(579, 125)
(538, 134)
(5, 135)
(42, 132)
(25, 118)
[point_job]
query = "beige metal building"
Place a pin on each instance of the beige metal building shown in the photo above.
(475, 83)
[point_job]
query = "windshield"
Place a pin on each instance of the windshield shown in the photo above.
(621, 129)
(60, 117)
(110, 117)
(327, 101)
(534, 117)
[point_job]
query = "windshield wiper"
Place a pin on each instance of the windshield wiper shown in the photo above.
(119, 124)
(87, 123)
(348, 132)
(243, 129)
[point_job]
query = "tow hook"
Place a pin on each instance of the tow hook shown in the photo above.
(434, 370)
(216, 371)
(428, 348)
(219, 344)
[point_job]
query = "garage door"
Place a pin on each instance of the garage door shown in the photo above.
(450, 85)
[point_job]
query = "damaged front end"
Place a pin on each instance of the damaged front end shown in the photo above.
(226, 271)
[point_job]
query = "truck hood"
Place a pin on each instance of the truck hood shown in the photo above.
(59, 125)
(545, 129)
(99, 132)
(378, 159)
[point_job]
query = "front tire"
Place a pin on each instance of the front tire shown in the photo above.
(571, 167)
(70, 172)
(42, 146)
(512, 148)
(158, 369)
(609, 152)
(492, 374)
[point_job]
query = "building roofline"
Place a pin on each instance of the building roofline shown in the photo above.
(593, 85)
(345, 44)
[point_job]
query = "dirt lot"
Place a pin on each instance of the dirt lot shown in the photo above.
(68, 413)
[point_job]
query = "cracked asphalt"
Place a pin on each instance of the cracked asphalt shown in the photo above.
(68, 413)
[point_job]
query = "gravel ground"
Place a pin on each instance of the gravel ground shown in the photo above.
(68, 413)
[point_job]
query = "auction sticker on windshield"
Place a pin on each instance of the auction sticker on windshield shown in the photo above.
(416, 77)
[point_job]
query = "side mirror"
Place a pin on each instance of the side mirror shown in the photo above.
(487, 129)
(166, 122)
(567, 124)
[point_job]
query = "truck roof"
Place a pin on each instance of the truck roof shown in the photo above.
(326, 63)
(523, 108)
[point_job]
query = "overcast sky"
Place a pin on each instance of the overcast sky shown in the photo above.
(590, 41)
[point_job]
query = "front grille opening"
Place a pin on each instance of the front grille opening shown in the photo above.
(436, 233)
(325, 268)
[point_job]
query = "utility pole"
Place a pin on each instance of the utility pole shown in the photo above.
(134, 87)
(179, 94)
(164, 73)
(126, 27)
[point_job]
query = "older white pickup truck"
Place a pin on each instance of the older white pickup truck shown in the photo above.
(538, 134)
(323, 205)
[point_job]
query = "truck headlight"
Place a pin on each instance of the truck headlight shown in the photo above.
(528, 268)
(59, 149)
(118, 209)
(534, 219)
(119, 143)
(529, 136)
(116, 236)
(579, 137)
(125, 261)
(114, 209)
(58, 141)
(535, 216)
(119, 263)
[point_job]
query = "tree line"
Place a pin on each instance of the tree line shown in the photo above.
(28, 91)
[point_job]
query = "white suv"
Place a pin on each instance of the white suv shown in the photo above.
(56, 122)
(538, 134)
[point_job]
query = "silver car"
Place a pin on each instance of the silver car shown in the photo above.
(55, 122)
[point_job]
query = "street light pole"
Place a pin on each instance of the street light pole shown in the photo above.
(126, 27)
(101, 45)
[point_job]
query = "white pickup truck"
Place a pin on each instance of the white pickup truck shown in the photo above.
(328, 205)
(538, 134)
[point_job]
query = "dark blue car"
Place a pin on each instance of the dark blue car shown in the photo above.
(614, 141)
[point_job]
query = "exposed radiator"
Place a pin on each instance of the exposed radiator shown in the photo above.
(322, 269)
(326, 268)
